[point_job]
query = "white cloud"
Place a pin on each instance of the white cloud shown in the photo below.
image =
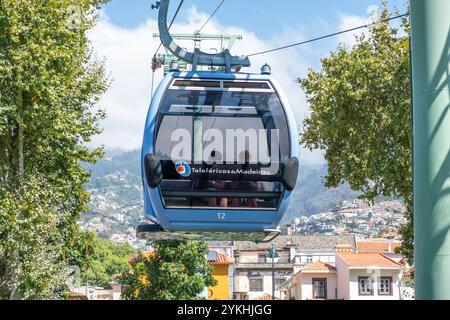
(350, 22)
(353, 21)
(128, 55)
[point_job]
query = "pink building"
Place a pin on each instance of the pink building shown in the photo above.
(355, 276)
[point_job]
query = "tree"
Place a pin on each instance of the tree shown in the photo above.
(107, 262)
(50, 83)
(361, 117)
(30, 265)
(174, 270)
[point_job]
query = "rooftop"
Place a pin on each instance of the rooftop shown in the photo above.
(217, 258)
(307, 243)
(377, 245)
(318, 267)
(265, 297)
(361, 260)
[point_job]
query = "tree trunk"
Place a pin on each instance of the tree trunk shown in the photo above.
(17, 137)
(20, 137)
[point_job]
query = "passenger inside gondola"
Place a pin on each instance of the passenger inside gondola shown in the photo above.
(231, 141)
(240, 185)
(206, 183)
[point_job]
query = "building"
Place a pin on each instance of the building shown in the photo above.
(224, 247)
(353, 275)
(310, 249)
(367, 276)
(97, 293)
(115, 293)
(223, 274)
(265, 297)
(253, 267)
(316, 281)
(378, 245)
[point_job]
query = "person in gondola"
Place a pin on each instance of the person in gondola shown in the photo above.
(241, 185)
(207, 184)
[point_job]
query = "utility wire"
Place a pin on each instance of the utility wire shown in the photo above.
(329, 35)
(211, 16)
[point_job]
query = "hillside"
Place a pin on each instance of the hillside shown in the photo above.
(117, 206)
(311, 196)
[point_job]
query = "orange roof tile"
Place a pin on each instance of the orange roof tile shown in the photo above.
(219, 259)
(368, 260)
(377, 246)
(265, 297)
(318, 267)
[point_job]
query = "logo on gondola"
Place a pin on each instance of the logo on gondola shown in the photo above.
(183, 168)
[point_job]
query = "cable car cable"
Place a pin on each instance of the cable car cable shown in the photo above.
(211, 16)
(329, 35)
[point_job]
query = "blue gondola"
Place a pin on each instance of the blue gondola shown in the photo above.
(220, 152)
(240, 196)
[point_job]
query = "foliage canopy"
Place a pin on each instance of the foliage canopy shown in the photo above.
(50, 83)
(361, 116)
(174, 270)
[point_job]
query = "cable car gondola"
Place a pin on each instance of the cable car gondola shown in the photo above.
(220, 152)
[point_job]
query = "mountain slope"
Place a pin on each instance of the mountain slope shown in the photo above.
(117, 192)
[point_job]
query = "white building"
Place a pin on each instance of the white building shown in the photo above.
(316, 281)
(310, 249)
(354, 276)
(253, 267)
(367, 276)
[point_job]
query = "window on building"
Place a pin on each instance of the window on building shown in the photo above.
(262, 258)
(385, 286)
(256, 285)
(319, 288)
(365, 286)
(309, 259)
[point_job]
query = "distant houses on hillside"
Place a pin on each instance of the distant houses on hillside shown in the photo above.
(382, 219)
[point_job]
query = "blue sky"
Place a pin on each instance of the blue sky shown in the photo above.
(123, 38)
(264, 17)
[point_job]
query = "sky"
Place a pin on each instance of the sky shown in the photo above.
(123, 38)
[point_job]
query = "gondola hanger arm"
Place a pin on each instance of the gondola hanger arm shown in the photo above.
(198, 57)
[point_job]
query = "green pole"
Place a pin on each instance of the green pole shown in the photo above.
(430, 23)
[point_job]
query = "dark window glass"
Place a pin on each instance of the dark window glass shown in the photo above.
(365, 286)
(204, 193)
(385, 286)
(199, 84)
(319, 288)
(246, 85)
(228, 142)
(256, 285)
